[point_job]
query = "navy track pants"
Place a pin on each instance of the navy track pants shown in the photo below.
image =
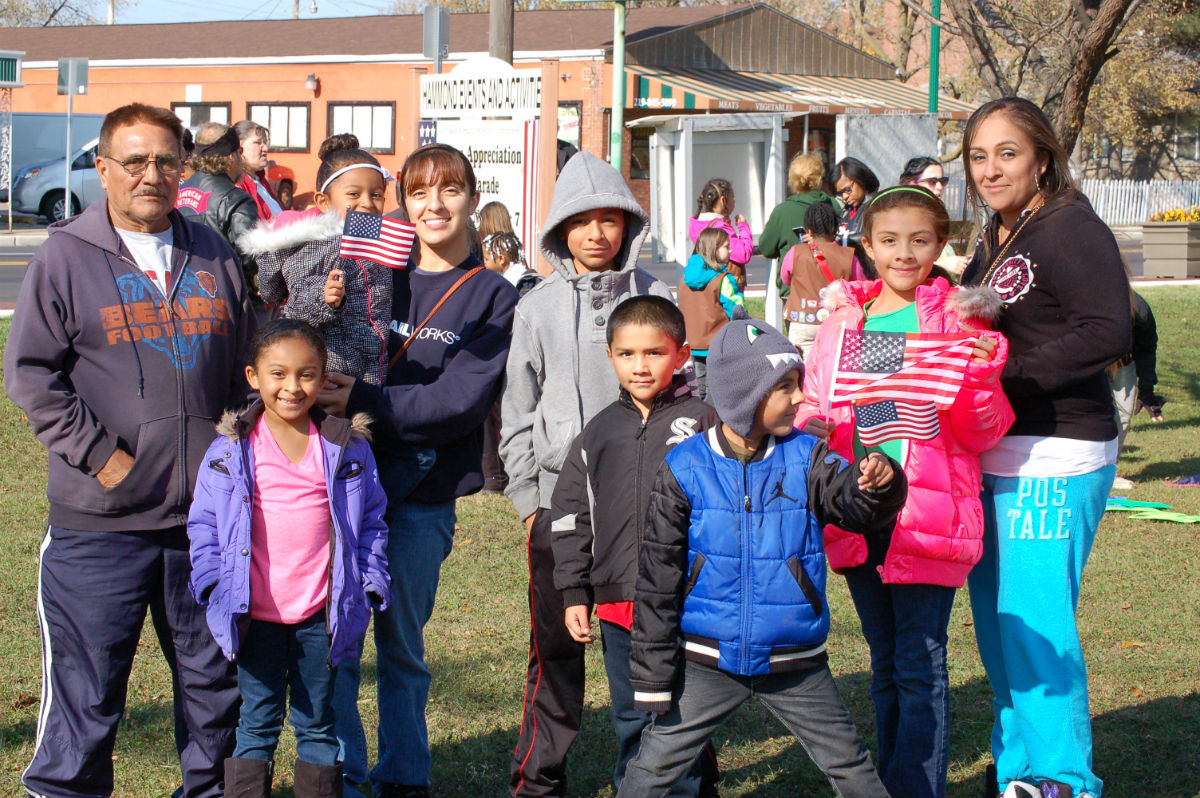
(94, 589)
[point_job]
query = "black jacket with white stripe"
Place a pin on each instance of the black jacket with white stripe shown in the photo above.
(603, 492)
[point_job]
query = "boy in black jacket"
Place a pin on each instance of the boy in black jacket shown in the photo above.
(598, 508)
(730, 596)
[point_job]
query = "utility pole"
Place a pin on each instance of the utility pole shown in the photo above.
(112, 11)
(618, 92)
(935, 40)
(500, 30)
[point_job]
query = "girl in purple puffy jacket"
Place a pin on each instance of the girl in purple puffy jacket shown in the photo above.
(288, 550)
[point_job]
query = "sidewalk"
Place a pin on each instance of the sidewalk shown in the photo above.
(19, 237)
(27, 231)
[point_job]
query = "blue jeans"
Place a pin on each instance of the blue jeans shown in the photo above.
(905, 627)
(273, 660)
(628, 721)
(807, 702)
(420, 537)
(1037, 535)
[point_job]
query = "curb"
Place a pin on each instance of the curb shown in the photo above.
(29, 239)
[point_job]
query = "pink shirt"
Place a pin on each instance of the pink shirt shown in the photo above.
(289, 530)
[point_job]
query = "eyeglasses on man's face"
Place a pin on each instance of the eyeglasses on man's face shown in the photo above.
(136, 165)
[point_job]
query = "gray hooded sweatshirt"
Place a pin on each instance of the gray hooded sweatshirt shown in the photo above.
(558, 375)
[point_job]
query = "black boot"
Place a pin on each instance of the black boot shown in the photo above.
(990, 788)
(710, 773)
(247, 778)
(317, 781)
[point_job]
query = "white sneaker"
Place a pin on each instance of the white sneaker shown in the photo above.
(1022, 789)
(1120, 483)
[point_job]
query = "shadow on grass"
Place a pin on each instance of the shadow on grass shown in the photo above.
(1151, 748)
(1169, 470)
(758, 755)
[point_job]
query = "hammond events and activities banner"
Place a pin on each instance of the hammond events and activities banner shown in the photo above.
(490, 111)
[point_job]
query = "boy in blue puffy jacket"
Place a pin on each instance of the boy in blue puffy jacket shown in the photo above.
(731, 573)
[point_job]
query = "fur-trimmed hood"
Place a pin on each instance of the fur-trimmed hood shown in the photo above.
(969, 302)
(233, 420)
(270, 236)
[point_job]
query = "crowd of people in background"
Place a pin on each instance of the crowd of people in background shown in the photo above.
(262, 438)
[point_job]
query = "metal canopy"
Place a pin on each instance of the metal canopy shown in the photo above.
(778, 92)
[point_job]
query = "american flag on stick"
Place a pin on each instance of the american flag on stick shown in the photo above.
(907, 367)
(884, 421)
(372, 237)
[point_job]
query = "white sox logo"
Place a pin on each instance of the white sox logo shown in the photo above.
(682, 429)
(1013, 278)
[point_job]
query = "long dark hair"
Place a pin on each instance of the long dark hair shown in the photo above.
(1032, 121)
(857, 171)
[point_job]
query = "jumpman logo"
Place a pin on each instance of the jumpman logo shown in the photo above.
(779, 493)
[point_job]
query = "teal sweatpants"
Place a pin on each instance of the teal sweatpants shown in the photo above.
(1038, 533)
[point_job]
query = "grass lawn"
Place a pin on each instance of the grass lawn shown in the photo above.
(1139, 618)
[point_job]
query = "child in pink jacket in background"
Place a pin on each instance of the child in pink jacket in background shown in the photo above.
(714, 207)
(903, 587)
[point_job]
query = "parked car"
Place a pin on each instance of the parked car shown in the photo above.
(283, 183)
(41, 137)
(38, 189)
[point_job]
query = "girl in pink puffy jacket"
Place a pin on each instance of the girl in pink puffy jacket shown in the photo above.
(903, 586)
(714, 208)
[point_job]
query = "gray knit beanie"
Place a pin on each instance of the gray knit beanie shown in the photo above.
(746, 359)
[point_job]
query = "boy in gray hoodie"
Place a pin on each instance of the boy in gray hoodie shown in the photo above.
(558, 378)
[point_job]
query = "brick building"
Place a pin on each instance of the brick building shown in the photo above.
(307, 79)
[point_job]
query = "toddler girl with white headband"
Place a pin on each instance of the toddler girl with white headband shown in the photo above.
(348, 300)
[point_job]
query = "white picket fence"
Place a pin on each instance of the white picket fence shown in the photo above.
(1116, 201)
(1135, 201)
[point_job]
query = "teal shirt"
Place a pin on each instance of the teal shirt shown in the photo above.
(903, 320)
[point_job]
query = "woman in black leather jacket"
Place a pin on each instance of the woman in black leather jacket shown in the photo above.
(211, 197)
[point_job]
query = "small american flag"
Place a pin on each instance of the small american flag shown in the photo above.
(372, 237)
(909, 367)
(884, 421)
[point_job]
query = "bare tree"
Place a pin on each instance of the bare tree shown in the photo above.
(1050, 52)
(39, 13)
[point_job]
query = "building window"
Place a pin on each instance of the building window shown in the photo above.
(639, 153)
(570, 123)
(288, 123)
(1187, 140)
(194, 115)
(373, 123)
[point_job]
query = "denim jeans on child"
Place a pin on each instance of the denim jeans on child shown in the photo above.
(276, 659)
(628, 721)
(905, 627)
(807, 702)
(1037, 535)
(420, 537)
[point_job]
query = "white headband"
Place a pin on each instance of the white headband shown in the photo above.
(386, 175)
